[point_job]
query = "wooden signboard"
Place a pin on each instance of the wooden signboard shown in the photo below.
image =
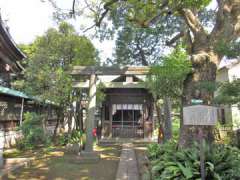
(200, 115)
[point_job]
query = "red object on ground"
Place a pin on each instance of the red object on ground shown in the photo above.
(94, 132)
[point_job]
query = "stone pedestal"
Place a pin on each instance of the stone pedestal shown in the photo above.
(73, 148)
(88, 157)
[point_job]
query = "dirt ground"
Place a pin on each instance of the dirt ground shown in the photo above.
(58, 165)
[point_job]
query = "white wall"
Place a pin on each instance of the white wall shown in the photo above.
(234, 72)
(223, 76)
(229, 74)
(9, 138)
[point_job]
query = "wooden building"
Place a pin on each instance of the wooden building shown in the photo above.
(13, 104)
(11, 101)
(127, 111)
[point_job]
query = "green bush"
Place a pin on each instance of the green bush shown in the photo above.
(33, 133)
(75, 137)
(221, 162)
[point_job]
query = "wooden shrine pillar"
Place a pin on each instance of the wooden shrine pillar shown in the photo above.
(91, 113)
(21, 112)
(110, 120)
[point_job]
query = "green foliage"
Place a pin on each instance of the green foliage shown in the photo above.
(166, 79)
(208, 86)
(142, 46)
(168, 162)
(142, 11)
(191, 3)
(50, 59)
(100, 95)
(175, 127)
(231, 50)
(33, 133)
(75, 137)
(229, 93)
(137, 46)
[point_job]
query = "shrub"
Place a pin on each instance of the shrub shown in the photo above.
(33, 133)
(75, 137)
(221, 162)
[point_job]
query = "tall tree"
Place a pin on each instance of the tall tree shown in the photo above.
(49, 63)
(137, 46)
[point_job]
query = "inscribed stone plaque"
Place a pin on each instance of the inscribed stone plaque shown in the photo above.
(200, 115)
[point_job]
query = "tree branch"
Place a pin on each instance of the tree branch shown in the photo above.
(106, 7)
(192, 21)
(227, 24)
(142, 54)
(88, 28)
(189, 41)
(175, 38)
(73, 8)
(163, 11)
(89, 7)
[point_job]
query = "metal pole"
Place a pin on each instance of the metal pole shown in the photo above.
(202, 158)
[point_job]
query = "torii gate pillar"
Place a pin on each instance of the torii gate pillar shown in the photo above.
(91, 113)
(88, 155)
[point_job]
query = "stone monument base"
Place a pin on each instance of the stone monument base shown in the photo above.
(87, 157)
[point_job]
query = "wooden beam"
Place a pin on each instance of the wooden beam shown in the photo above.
(88, 70)
(84, 85)
(111, 85)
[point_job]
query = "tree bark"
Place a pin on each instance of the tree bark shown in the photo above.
(79, 115)
(70, 119)
(205, 67)
(167, 119)
(59, 118)
(44, 117)
(160, 123)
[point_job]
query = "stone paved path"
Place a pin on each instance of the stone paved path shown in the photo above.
(127, 168)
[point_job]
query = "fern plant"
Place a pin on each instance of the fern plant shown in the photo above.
(221, 162)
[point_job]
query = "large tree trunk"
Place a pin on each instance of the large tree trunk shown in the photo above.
(167, 119)
(46, 118)
(44, 115)
(160, 123)
(70, 119)
(201, 47)
(60, 115)
(79, 116)
(205, 67)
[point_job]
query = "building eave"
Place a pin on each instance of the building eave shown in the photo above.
(10, 53)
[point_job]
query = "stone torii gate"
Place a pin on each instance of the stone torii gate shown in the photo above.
(93, 72)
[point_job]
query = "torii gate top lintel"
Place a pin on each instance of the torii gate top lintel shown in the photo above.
(101, 70)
